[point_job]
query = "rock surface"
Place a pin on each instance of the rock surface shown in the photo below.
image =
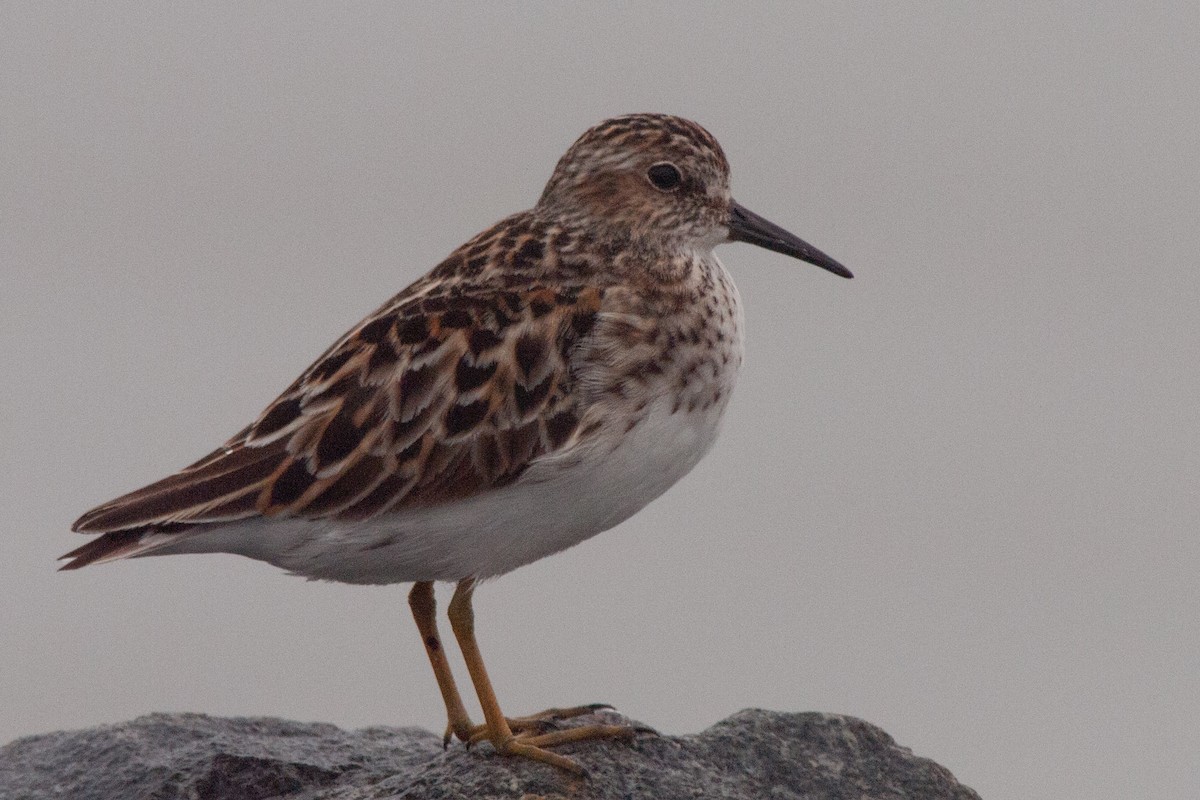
(752, 754)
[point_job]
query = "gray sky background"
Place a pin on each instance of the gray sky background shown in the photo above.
(956, 496)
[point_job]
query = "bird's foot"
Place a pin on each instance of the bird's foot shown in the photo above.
(529, 736)
(464, 730)
(540, 723)
(532, 745)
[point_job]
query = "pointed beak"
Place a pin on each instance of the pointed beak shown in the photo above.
(746, 226)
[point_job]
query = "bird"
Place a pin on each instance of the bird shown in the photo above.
(546, 381)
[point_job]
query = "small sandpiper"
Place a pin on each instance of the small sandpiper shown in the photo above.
(542, 384)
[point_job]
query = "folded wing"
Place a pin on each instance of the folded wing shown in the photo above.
(431, 399)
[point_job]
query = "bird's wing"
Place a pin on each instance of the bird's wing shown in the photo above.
(431, 399)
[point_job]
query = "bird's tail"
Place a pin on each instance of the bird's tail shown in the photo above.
(116, 545)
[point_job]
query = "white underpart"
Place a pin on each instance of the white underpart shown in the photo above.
(550, 509)
(558, 502)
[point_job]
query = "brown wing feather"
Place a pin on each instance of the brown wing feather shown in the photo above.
(221, 476)
(432, 399)
(431, 406)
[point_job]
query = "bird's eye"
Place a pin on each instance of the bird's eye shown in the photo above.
(664, 176)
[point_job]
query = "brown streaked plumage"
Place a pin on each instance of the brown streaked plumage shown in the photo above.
(547, 380)
(425, 402)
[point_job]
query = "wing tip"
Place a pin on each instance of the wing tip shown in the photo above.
(85, 522)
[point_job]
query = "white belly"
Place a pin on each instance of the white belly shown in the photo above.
(558, 502)
(552, 507)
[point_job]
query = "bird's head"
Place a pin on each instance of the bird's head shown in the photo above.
(660, 183)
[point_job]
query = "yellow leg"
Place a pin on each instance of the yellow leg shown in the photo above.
(424, 611)
(498, 730)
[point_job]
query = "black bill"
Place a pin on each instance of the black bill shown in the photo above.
(746, 226)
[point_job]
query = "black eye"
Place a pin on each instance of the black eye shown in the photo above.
(664, 176)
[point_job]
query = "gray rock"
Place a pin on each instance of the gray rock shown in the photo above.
(753, 754)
